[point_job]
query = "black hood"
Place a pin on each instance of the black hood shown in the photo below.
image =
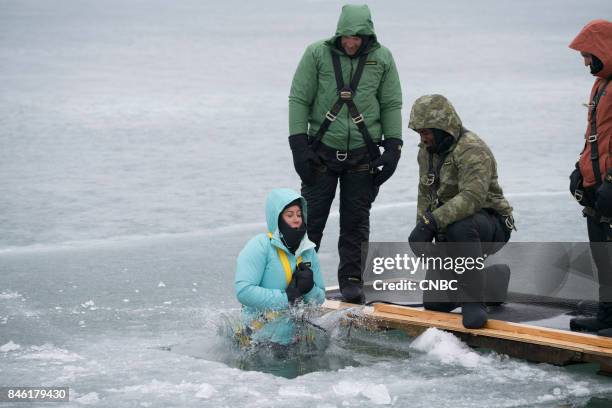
(291, 237)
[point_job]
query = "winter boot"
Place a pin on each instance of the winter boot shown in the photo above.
(588, 324)
(587, 308)
(352, 291)
(474, 315)
(605, 332)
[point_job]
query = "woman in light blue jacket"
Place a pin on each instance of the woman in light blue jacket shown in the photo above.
(278, 269)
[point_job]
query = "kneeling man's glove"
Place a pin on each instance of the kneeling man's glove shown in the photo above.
(603, 204)
(303, 157)
(425, 230)
(389, 159)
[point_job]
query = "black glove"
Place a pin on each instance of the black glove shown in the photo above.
(293, 292)
(303, 157)
(304, 276)
(425, 230)
(389, 159)
(576, 185)
(603, 204)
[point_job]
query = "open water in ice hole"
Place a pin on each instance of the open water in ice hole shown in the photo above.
(324, 342)
(332, 341)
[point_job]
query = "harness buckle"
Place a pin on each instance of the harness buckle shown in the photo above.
(592, 138)
(341, 156)
(330, 116)
(578, 195)
(358, 119)
(346, 94)
(431, 178)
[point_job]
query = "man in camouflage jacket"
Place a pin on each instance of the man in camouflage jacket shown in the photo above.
(460, 199)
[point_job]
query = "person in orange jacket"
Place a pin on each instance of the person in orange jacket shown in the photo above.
(591, 181)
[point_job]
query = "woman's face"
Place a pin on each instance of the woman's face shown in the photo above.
(293, 216)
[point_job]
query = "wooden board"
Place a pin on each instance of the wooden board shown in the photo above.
(524, 341)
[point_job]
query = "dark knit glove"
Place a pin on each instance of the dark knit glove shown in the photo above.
(293, 292)
(303, 157)
(425, 230)
(389, 160)
(304, 276)
(575, 185)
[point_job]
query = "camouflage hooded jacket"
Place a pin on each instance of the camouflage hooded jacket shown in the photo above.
(468, 177)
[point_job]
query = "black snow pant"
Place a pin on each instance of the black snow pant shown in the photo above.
(600, 233)
(357, 193)
(474, 236)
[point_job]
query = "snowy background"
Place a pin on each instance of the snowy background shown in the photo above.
(138, 140)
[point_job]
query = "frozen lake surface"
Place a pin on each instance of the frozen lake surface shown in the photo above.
(138, 141)
(137, 325)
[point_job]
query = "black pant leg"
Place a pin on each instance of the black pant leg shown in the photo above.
(319, 198)
(440, 300)
(600, 236)
(357, 193)
(466, 238)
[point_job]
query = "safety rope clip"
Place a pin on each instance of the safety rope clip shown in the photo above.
(358, 119)
(330, 116)
(509, 221)
(431, 178)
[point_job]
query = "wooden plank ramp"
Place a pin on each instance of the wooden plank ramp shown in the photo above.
(528, 342)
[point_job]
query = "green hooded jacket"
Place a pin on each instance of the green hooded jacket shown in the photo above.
(468, 177)
(378, 96)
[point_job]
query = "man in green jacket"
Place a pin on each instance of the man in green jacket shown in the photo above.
(460, 199)
(345, 102)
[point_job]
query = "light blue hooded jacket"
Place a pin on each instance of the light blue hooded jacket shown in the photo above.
(260, 281)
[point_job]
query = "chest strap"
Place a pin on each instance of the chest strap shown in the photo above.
(433, 178)
(346, 96)
(285, 261)
(433, 174)
(592, 139)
